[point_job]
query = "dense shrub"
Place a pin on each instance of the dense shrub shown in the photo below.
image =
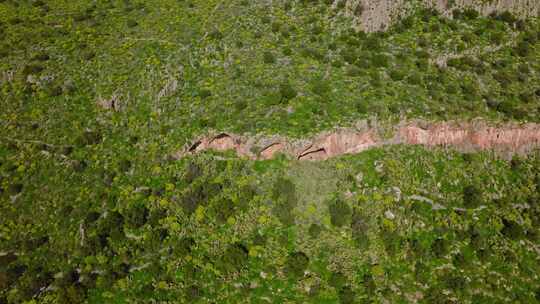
(193, 171)
(523, 49)
(184, 246)
(340, 212)
(505, 16)
(337, 280)
(381, 60)
(353, 71)
(320, 86)
(269, 58)
(194, 197)
(397, 74)
(440, 247)
(297, 262)
(136, 215)
(350, 56)
(504, 78)
(234, 258)
(287, 92)
(472, 196)
(346, 295)
(313, 53)
(131, 23)
(512, 229)
(285, 200)
(276, 27)
(88, 138)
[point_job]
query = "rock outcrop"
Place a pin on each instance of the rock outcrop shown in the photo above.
(466, 137)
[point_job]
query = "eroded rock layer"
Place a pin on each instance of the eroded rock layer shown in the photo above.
(467, 137)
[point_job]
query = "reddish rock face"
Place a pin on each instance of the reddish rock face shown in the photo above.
(340, 143)
(222, 142)
(466, 137)
(518, 140)
(271, 150)
(463, 137)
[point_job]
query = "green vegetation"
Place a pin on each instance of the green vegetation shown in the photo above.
(203, 229)
(96, 96)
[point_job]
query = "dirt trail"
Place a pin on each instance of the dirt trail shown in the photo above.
(467, 137)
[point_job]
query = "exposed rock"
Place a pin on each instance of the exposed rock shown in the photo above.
(222, 142)
(269, 151)
(466, 137)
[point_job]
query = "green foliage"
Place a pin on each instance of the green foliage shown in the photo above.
(269, 58)
(340, 212)
(297, 262)
(234, 258)
(98, 207)
(287, 92)
(472, 196)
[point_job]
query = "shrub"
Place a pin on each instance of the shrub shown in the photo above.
(311, 53)
(505, 16)
(111, 224)
(361, 107)
(507, 107)
(285, 32)
(415, 79)
(346, 295)
(269, 58)
(369, 283)
(89, 138)
(193, 172)
(314, 230)
(285, 200)
(32, 69)
(276, 26)
(320, 87)
(265, 19)
(41, 57)
(316, 30)
(503, 78)
(234, 258)
(297, 262)
(397, 75)
(523, 49)
(340, 212)
(192, 293)
(224, 209)
(349, 55)
(470, 13)
(15, 188)
(337, 280)
(526, 97)
(359, 227)
(131, 23)
(287, 92)
(439, 247)
(53, 90)
(287, 51)
(91, 218)
(512, 230)
(391, 240)
(185, 246)
(472, 196)
(337, 63)
(136, 216)
(353, 71)
(381, 60)
(204, 93)
(215, 34)
(193, 198)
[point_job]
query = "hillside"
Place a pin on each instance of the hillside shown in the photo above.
(190, 151)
